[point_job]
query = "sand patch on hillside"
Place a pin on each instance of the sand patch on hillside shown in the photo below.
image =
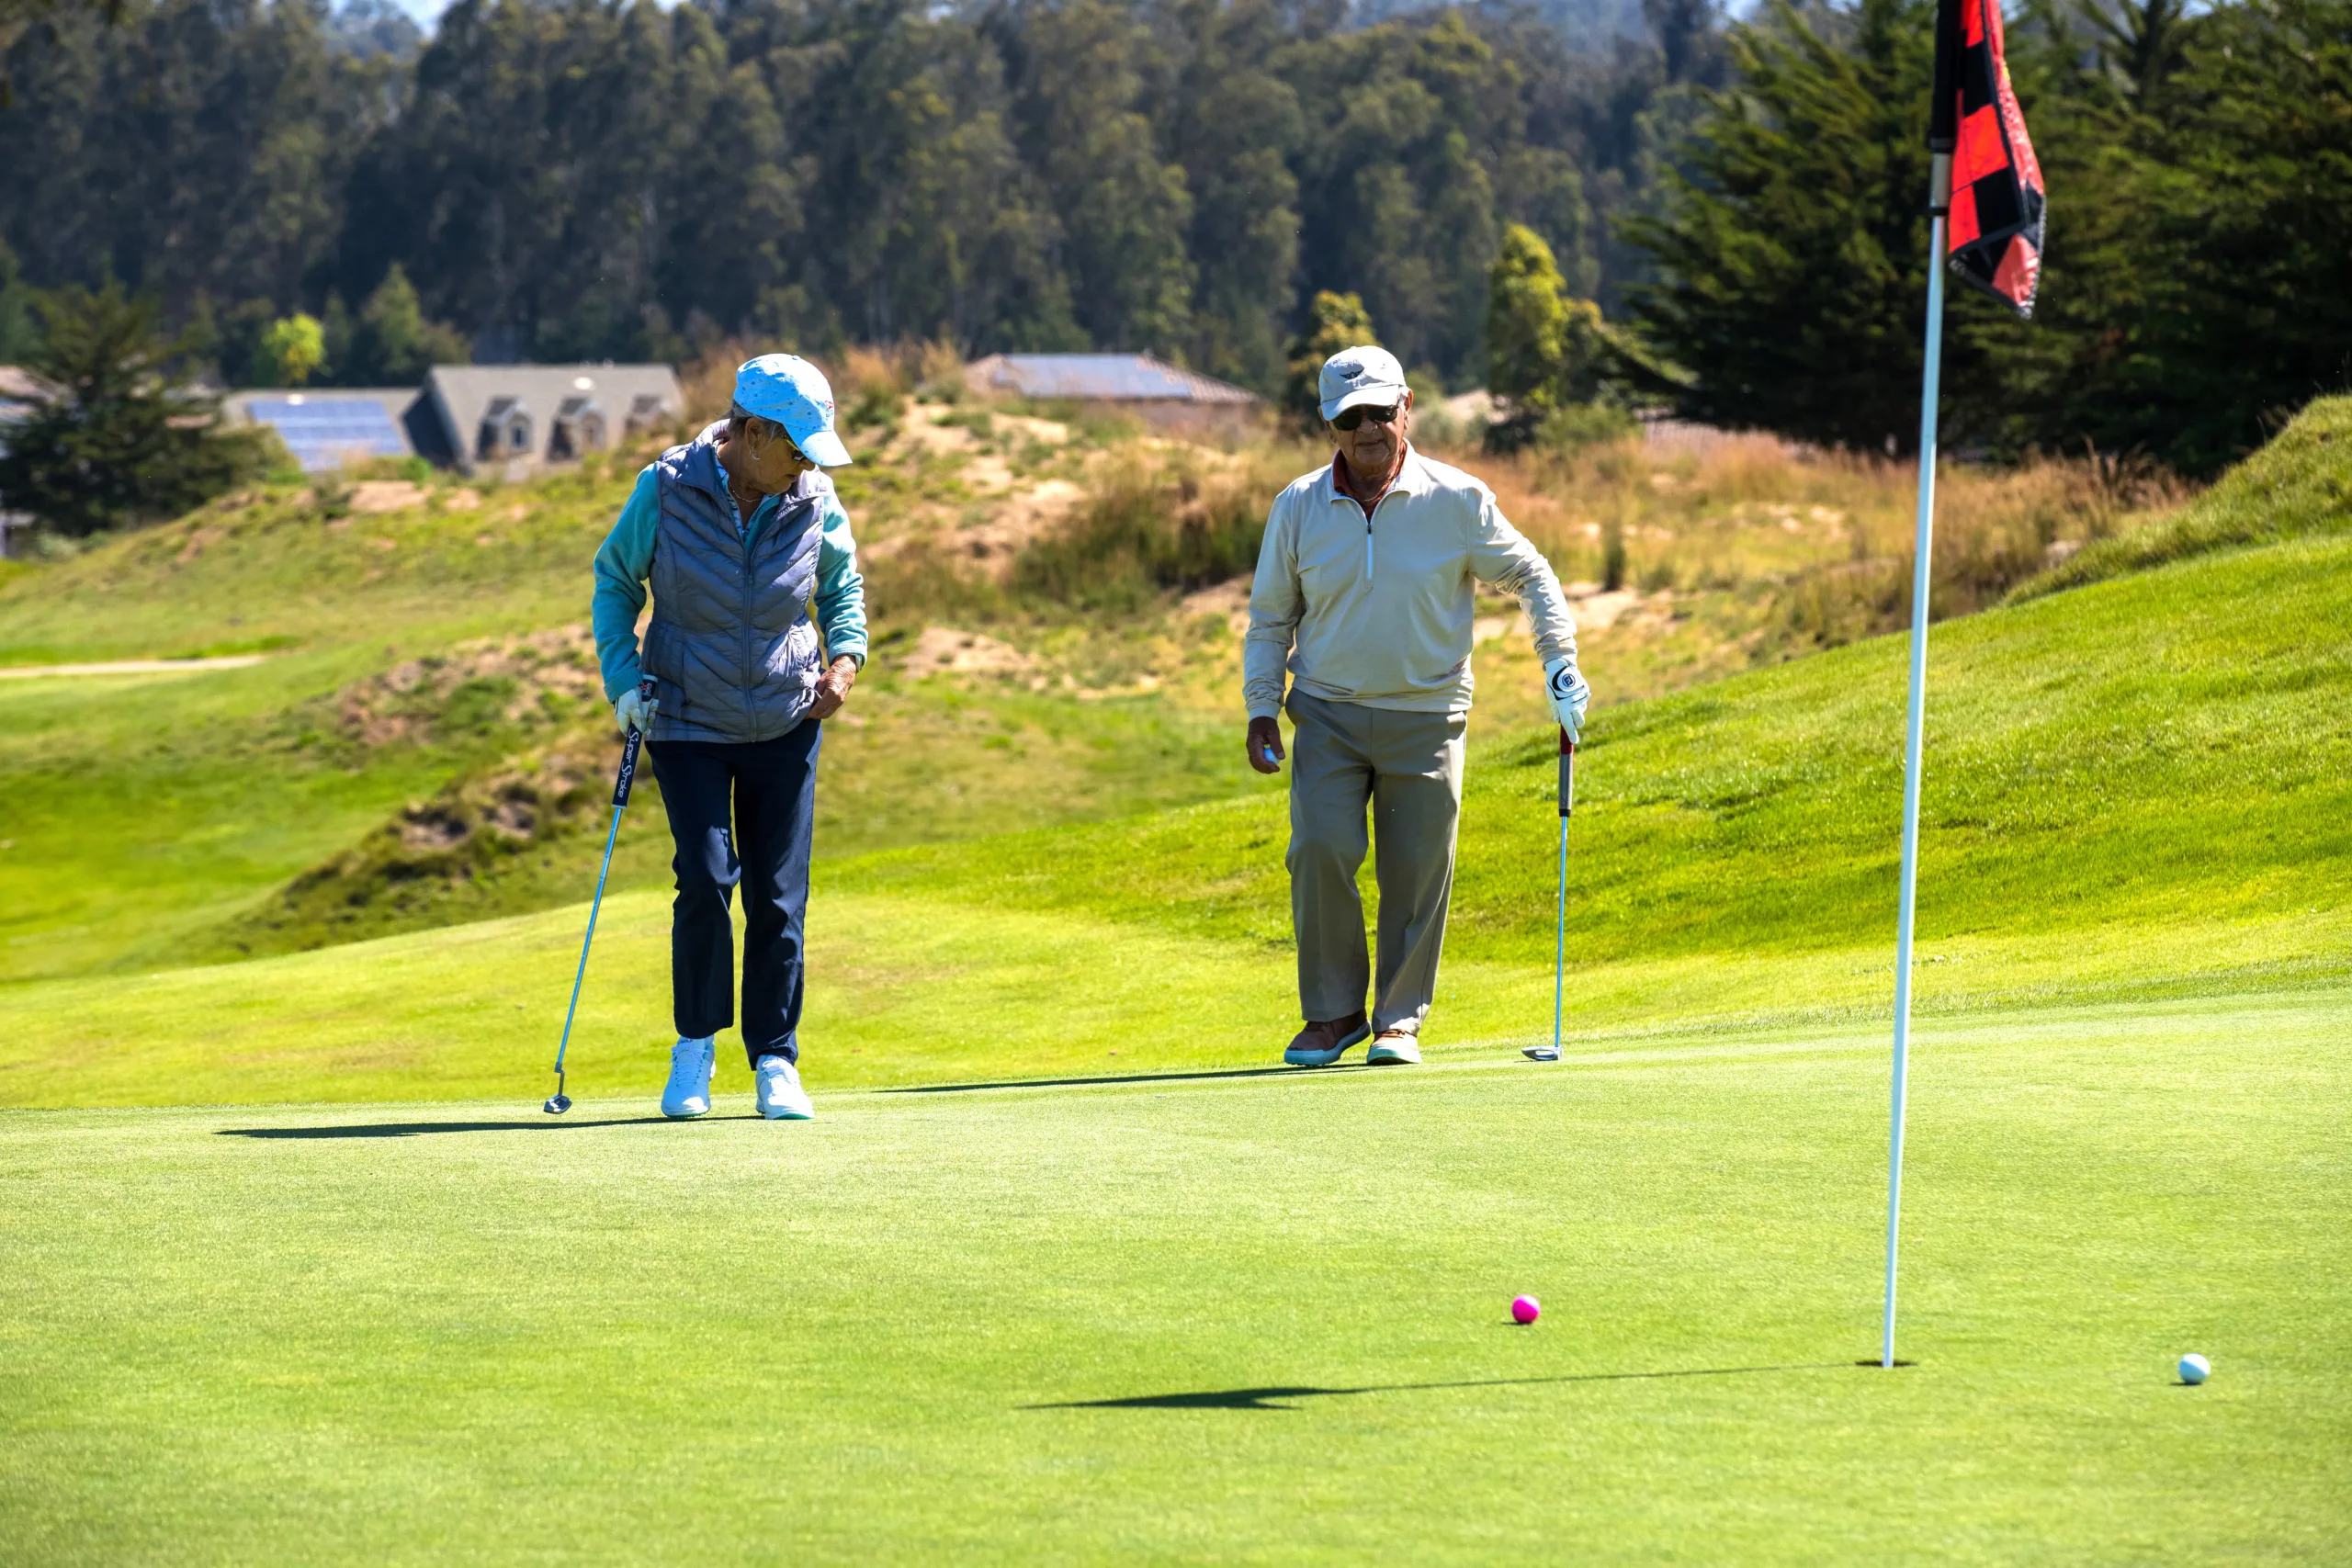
(518, 673)
(386, 495)
(944, 651)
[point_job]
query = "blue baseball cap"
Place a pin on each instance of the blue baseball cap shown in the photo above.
(1355, 377)
(792, 392)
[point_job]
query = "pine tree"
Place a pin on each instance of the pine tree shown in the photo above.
(126, 438)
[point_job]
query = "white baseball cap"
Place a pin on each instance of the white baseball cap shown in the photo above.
(1355, 377)
(794, 394)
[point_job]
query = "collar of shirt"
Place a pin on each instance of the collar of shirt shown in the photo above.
(1410, 481)
(744, 526)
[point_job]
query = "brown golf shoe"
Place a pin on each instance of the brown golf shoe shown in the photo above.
(1320, 1044)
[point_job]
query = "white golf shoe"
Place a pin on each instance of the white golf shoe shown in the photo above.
(780, 1096)
(688, 1091)
(1395, 1048)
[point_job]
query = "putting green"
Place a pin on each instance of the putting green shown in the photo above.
(1257, 1318)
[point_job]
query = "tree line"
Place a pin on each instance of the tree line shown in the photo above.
(582, 178)
(2196, 286)
(1722, 220)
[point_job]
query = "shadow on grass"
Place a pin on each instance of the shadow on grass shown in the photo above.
(418, 1129)
(1127, 1078)
(1265, 1398)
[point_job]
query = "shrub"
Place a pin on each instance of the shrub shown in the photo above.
(1145, 529)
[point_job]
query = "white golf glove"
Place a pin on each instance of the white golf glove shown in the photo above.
(1569, 695)
(635, 711)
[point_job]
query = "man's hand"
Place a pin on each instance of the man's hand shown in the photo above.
(1265, 745)
(1568, 695)
(832, 688)
(634, 711)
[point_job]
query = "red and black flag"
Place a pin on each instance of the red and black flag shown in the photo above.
(1994, 239)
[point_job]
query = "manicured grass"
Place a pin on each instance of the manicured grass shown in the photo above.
(437, 1333)
(916, 991)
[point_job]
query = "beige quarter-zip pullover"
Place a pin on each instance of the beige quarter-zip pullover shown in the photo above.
(1377, 610)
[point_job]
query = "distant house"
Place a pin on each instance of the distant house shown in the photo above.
(514, 419)
(1166, 396)
(326, 427)
(20, 391)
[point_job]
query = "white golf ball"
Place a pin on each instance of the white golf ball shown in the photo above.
(2195, 1369)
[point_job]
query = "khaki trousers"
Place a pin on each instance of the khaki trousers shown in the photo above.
(1407, 768)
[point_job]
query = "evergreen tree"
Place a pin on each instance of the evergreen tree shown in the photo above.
(2242, 309)
(2141, 42)
(390, 342)
(17, 337)
(1794, 256)
(126, 438)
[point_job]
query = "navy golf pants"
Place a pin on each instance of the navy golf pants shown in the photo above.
(740, 813)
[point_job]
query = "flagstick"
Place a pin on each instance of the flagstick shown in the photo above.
(1914, 744)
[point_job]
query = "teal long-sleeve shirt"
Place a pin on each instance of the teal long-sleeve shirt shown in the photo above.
(625, 559)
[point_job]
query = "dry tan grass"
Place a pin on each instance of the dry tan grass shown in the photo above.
(1829, 534)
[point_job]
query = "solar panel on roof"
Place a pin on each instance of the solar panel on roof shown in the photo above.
(324, 433)
(1113, 377)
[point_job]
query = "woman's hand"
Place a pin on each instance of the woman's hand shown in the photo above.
(832, 688)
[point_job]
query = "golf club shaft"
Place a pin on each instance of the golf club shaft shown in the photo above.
(612, 835)
(1560, 949)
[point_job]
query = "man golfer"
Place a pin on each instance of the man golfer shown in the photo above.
(1364, 595)
(738, 530)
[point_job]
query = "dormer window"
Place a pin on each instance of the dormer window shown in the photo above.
(579, 430)
(506, 430)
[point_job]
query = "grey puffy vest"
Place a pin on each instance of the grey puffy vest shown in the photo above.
(730, 649)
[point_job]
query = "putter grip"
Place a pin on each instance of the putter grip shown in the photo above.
(1567, 774)
(628, 755)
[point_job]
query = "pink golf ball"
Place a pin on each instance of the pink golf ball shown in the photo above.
(1525, 1309)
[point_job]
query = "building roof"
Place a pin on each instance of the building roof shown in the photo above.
(324, 427)
(630, 395)
(1100, 378)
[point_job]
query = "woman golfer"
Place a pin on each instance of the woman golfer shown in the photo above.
(737, 530)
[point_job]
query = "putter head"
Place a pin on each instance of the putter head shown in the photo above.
(557, 1104)
(1540, 1053)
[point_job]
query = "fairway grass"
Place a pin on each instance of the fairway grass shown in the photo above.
(1253, 1318)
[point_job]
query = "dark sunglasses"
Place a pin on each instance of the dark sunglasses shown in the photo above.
(1350, 419)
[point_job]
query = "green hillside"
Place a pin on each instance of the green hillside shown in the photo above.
(2141, 788)
(413, 639)
(419, 744)
(2300, 484)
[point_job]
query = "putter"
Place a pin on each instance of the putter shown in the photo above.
(1560, 949)
(558, 1102)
